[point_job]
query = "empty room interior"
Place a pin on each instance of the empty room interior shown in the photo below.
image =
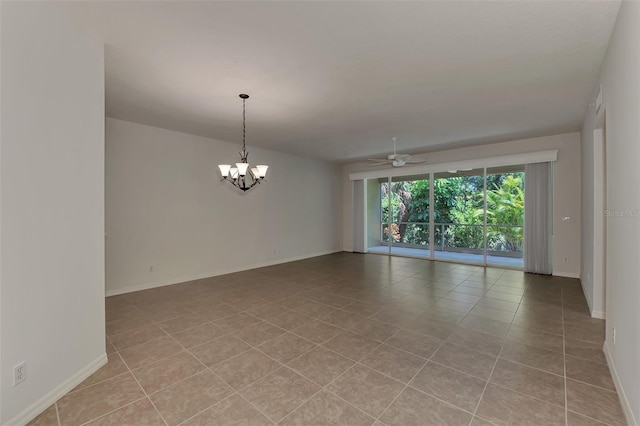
(319, 213)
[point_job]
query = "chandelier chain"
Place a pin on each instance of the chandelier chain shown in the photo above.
(244, 123)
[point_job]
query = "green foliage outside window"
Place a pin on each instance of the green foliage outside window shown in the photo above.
(458, 206)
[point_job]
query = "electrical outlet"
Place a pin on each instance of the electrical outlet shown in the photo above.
(19, 373)
(613, 335)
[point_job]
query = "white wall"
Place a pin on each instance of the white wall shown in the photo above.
(620, 78)
(566, 189)
(52, 217)
(166, 208)
(593, 219)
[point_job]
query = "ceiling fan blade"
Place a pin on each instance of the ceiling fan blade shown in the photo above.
(402, 156)
(379, 160)
(415, 160)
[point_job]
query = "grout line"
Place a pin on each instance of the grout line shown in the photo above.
(564, 362)
(113, 411)
(57, 413)
(504, 342)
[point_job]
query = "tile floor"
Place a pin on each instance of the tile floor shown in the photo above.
(350, 339)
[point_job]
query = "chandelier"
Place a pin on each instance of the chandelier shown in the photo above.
(242, 176)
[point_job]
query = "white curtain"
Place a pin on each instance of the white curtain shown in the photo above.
(538, 218)
(359, 244)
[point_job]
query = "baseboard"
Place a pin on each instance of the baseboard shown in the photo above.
(626, 407)
(566, 274)
(599, 314)
(147, 286)
(34, 410)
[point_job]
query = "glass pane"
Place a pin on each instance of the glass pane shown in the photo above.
(505, 216)
(459, 215)
(409, 222)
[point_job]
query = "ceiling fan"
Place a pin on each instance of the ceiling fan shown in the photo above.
(397, 160)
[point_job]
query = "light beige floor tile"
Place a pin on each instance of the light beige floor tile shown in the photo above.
(290, 320)
(452, 386)
(504, 407)
(136, 337)
(426, 325)
(414, 408)
(341, 318)
(499, 304)
(320, 365)
(477, 421)
(326, 409)
(166, 372)
(245, 368)
(594, 402)
(585, 350)
(198, 335)
(374, 330)
(485, 325)
(140, 413)
(416, 343)
(149, 352)
(219, 350)
(234, 410)
(279, 393)
(114, 367)
(366, 389)
(286, 347)
(218, 312)
(259, 333)
(351, 345)
(536, 383)
(190, 396)
(574, 419)
(178, 324)
(123, 325)
(317, 331)
(267, 312)
(532, 356)
(550, 342)
(477, 341)
(589, 372)
(235, 323)
(465, 360)
(361, 308)
(393, 362)
(94, 401)
(491, 313)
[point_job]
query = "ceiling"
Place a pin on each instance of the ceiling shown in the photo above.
(336, 80)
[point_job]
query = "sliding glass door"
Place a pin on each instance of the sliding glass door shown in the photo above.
(459, 215)
(471, 216)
